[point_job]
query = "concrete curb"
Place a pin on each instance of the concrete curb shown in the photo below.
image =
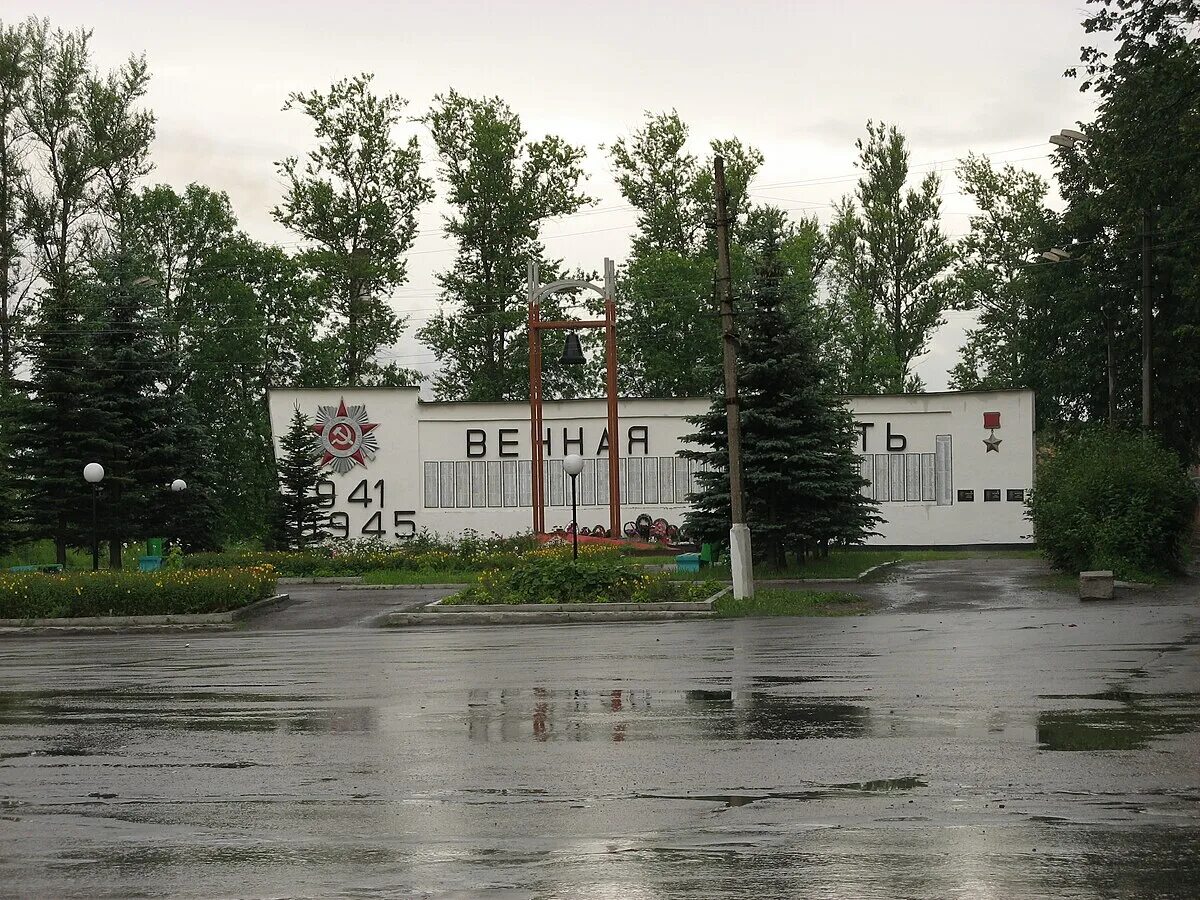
(455, 586)
(400, 620)
(862, 576)
(437, 613)
(222, 621)
(810, 582)
(349, 579)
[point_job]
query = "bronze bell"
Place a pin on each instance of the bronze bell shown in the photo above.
(573, 352)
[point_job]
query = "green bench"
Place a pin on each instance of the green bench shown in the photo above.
(50, 567)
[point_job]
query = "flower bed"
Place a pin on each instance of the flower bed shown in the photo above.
(351, 558)
(106, 593)
(600, 576)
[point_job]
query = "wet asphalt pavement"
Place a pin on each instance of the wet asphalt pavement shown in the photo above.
(965, 742)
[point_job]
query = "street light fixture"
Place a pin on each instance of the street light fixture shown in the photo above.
(179, 485)
(1068, 138)
(93, 474)
(573, 465)
(1056, 255)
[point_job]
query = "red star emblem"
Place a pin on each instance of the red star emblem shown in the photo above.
(345, 437)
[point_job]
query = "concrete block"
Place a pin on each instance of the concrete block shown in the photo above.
(1096, 585)
(741, 562)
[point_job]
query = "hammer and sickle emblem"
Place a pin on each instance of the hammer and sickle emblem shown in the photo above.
(341, 436)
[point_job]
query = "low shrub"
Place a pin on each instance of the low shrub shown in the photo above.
(81, 594)
(1112, 500)
(600, 576)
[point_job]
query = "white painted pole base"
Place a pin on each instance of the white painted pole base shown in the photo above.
(740, 561)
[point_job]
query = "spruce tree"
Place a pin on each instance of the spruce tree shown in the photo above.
(54, 429)
(300, 518)
(130, 425)
(9, 533)
(800, 472)
(182, 451)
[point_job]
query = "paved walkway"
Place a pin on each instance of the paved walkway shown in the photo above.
(1048, 749)
(324, 606)
(967, 584)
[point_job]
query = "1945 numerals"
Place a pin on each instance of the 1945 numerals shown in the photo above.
(366, 495)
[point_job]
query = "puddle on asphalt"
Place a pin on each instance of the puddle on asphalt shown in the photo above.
(624, 715)
(183, 711)
(816, 792)
(1135, 719)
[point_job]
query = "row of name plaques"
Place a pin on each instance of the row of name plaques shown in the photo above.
(992, 495)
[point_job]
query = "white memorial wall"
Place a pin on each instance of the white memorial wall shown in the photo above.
(946, 468)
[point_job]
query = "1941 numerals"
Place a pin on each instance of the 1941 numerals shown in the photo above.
(366, 495)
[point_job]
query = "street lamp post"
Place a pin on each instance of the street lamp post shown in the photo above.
(573, 465)
(177, 486)
(93, 474)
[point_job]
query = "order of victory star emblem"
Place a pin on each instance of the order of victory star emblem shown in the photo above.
(345, 437)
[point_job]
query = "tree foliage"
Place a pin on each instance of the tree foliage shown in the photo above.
(15, 66)
(670, 340)
(300, 517)
(1139, 161)
(888, 258)
(353, 201)
(800, 473)
(994, 275)
(1109, 499)
(84, 129)
(236, 318)
(503, 187)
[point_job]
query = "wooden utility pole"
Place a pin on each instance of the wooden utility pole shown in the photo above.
(1147, 322)
(739, 534)
(733, 420)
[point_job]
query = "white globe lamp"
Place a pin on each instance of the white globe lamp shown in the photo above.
(573, 465)
(93, 474)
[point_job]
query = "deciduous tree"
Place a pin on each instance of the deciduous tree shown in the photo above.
(669, 330)
(15, 65)
(503, 188)
(994, 276)
(353, 201)
(889, 256)
(1141, 157)
(76, 140)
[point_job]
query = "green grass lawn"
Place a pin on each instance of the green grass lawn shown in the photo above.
(780, 602)
(408, 576)
(41, 553)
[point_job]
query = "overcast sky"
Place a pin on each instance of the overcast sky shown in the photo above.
(796, 79)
